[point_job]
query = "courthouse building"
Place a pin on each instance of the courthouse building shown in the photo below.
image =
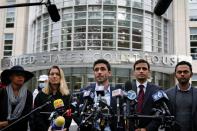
(120, 31)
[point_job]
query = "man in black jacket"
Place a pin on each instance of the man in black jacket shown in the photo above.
(183, 99)
(144, 90)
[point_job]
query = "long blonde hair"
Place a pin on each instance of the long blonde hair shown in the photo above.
(63, 88)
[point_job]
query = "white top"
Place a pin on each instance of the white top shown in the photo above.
(138, 84)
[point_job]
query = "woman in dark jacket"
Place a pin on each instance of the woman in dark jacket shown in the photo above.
(56, 88)
(15, 99)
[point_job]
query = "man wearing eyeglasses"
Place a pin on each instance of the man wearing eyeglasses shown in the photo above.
(183, 99)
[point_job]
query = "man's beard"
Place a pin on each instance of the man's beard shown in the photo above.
(183, 81)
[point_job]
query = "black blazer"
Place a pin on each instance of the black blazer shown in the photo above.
(39, 120)
(172, 97)
(148, 105)
(21, 125)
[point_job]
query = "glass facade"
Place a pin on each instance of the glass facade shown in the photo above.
(101, 25)
(115, 25)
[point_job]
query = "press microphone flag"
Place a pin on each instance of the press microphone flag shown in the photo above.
(88, 97)
(59, 105)
(131, 95)
(161, 97)
(161, 7)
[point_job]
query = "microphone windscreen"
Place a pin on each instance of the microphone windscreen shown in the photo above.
(161, 7)
(128, 86)
(53, 12)
(60, 121)
(118, 87)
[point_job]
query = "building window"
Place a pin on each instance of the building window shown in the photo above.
(8, 44)
(193, 10)
(10, 15)
(193, 42)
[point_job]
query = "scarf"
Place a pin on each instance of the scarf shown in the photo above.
(19, 101)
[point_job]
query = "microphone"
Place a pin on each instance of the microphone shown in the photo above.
(131, 95)
(130, 102)
(118, 93)
(128, 86)
(58, 123)
(100, 90)
(53, 11)
(161, 7)
(88, 97)
(160, 97)
(78, 93)
(59, 105)
(59, 108)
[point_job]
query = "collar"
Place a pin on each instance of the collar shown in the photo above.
(145, 84)
(188, 89)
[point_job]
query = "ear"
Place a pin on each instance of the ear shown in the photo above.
(110, 73)
(191, 74)
(149, 73)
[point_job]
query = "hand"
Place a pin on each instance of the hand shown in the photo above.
(3, 124)
(140, 129)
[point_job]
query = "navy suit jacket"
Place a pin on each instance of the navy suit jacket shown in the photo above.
(172, 97)
(148, 105)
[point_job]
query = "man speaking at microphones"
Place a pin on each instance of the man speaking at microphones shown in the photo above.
(101, 88)
(183, 99)
(57, 92)
(144, 90)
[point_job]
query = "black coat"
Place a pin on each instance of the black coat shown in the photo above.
(21, 125)
(147, 107)
(40, 120)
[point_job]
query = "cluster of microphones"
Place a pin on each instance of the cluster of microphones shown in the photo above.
(94, 110)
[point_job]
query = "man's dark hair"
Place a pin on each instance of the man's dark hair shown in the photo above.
(141, 61)
(103, 61)
(184, 63)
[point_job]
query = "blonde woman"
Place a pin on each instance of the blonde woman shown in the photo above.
(56, 88)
